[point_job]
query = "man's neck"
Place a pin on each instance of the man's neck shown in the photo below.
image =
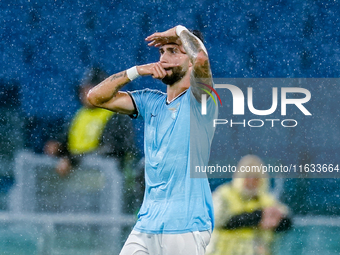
(176, 89)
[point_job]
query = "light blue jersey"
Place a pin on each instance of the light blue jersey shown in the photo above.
(173, 202)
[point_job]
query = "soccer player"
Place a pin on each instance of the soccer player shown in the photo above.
(176, 216)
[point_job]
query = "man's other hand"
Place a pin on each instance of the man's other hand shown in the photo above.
(156, 70)
(160, 38)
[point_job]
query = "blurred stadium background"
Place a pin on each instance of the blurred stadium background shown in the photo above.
(46, 46)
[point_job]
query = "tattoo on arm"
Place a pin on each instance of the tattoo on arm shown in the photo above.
(119, 85)
(203, 71)
(118, 75)
(191, 45)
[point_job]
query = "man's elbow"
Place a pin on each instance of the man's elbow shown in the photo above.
(92, 98)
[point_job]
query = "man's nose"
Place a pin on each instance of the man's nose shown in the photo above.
(163, 58)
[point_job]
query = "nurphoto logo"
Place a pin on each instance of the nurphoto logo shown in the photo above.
(238, 106)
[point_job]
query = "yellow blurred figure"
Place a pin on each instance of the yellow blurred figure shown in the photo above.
(246, 214)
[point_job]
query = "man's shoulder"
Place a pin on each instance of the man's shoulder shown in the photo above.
(148, 91)
(146, 98)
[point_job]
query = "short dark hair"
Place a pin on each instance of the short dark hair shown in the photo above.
(198, 34)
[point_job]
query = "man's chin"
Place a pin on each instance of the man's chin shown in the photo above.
(172, 77)
(167, 80)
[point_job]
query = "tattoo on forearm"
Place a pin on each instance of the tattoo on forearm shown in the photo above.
(120, 84)
(117, 89)
(118, 75)
(203, 71)
(190, 44)
(193, 47)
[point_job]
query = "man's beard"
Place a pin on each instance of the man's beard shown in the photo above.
(177, 74)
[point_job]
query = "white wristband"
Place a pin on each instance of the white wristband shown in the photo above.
(132, 73)
(179, 29)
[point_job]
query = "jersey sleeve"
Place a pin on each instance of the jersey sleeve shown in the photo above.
(143, 100)
(139, 97)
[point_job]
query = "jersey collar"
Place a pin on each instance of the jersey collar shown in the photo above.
(169, 102)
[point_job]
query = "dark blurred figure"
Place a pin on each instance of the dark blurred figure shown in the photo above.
(246, 214)
(11, 134)
(93, 131)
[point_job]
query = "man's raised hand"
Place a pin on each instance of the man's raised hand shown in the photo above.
(160, 38)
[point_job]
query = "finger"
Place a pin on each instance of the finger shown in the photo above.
(162, 70)
(151, 37)
(158, 69)
(156, 43)
(167, 65)
(151, 43)
(155, 73)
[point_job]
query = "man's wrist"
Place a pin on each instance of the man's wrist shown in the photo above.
(143, 70)
(180, 29)
(132, 73)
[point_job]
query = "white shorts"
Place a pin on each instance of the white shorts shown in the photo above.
(191, 243)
